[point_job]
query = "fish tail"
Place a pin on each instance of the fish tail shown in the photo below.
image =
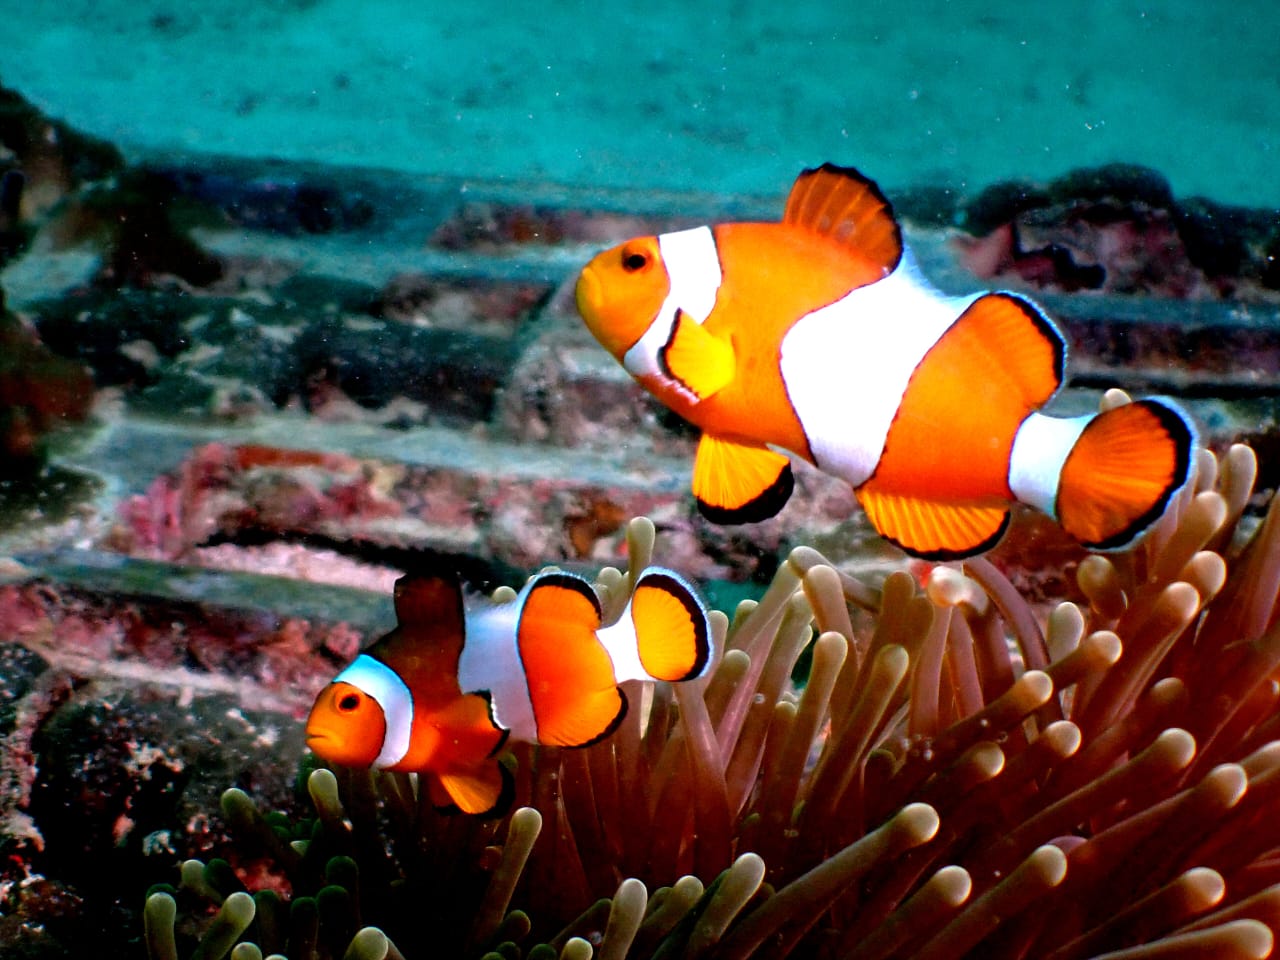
(665, 628)
(1122, 471)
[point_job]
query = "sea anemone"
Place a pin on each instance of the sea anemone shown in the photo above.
(962, 774)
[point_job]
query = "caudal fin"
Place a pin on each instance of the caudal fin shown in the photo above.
(664, 634)
(1123, 470)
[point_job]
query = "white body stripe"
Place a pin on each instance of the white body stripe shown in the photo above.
(490, 661)
(693, 269)
(383, 685)
(1040, 448)
(620, 643)
(846, 366)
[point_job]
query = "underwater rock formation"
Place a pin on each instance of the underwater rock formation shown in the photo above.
(76, 188)
(1119, 228)
(52, 158)
(331, 409)
(39, 391)
(959, 775)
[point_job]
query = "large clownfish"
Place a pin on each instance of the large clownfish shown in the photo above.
(818, 335)
(440, 694)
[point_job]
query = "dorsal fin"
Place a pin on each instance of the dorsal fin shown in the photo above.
(429, 599)
(840, 203)
(425, 647)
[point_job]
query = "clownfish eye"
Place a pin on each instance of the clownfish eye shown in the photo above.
(633, 261)
(349, 702)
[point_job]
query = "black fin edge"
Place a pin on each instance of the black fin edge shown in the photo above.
(503, 732)
(764, 505)
(663, 365)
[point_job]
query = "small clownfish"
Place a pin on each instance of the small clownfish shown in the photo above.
(441, 693)
(819, 336)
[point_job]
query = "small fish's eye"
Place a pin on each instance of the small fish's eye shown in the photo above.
(634, 261)
(349, 702)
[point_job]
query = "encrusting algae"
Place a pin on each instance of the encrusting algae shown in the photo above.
(953, 780)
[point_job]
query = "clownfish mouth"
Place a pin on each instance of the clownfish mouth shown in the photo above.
(316, 740)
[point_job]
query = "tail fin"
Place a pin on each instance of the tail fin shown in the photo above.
(664, 634)
(1123, 470)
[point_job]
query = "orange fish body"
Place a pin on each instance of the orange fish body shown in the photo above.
(440, 694)
(818, 336)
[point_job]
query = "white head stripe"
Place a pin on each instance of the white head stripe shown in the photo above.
(693, 267)
(858, 354)
(1040, 448)
(693, 271)
(383, 685)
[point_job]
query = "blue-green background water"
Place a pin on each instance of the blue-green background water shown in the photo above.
(720, 97)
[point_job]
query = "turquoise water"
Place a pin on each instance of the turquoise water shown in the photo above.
(721, 97)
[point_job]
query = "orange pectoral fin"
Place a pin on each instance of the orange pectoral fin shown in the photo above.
(931, 530)
(702, 362)
(739, 483)
(671, 626)
(841, 203)
(485, 791)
